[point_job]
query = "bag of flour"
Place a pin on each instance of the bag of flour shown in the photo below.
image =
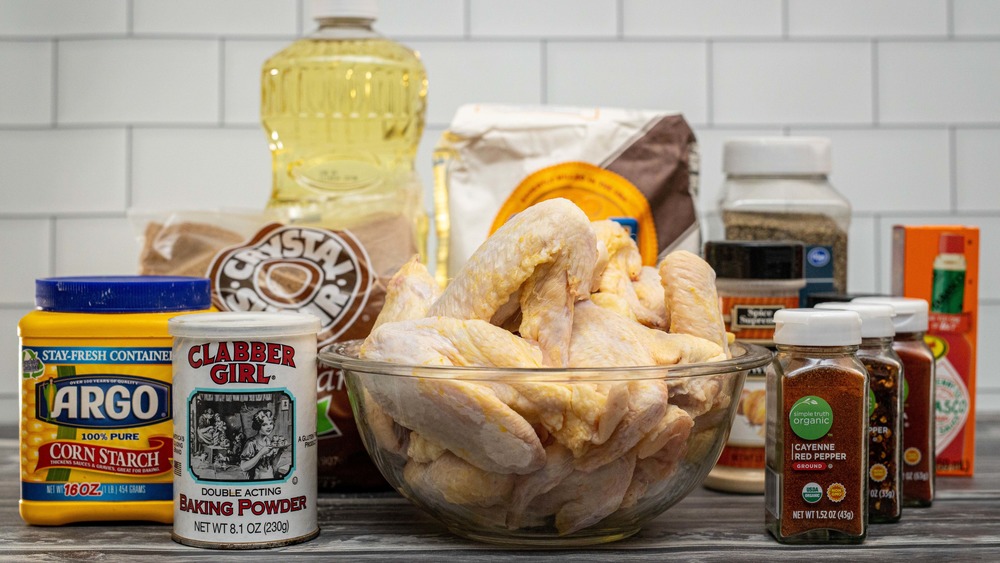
(638, 167)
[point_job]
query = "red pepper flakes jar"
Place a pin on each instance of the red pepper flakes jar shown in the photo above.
(885, 420)
(816, 489)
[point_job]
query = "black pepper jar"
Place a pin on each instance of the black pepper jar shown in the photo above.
(816, 490)
(885, 375)
(777, 188)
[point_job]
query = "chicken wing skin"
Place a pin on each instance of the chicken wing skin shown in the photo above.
(647, 403)
(583, 499)
(558, 466)
(459, 482)
(551, 248)
(652, 474)
(465, 417)
(603, 338)
(409, 294)
(691, 298)
(652, 308)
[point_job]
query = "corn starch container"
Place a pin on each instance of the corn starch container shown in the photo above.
(95, 400)
(245, 431)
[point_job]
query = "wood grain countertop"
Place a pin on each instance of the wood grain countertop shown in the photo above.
(962, 525)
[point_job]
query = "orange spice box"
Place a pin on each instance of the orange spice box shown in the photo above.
(940, 263)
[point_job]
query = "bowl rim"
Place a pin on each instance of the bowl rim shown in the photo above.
(338, 355)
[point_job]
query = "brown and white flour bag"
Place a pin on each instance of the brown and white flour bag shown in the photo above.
(638, 167)
(261, 262)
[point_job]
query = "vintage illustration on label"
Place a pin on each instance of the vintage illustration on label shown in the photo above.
(241, 436)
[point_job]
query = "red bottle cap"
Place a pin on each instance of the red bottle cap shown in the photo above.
(951, 244)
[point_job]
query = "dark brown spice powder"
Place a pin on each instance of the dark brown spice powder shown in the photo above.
(918, 423)
(845, 390)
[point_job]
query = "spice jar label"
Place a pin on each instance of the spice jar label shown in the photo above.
(824, 453)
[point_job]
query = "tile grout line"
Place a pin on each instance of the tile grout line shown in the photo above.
(130, 18)
(710, 82)
(544, 71)
(785, 9)
(129, 196)
(953, 168)
(467, 20)
(620, 15)
(655, 39)
(875, 83)
(950, 18)
(300, 17)
(222, 82)
(52, 244)
(877, 252)
(55, 82)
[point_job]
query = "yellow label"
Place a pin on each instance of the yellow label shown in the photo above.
(96, 417)
(878, 472)
(836, 492)
(600, 193)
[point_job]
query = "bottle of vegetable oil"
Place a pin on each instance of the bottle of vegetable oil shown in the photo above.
(344, 109)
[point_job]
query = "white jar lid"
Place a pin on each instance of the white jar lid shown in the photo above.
(776, 155)
(228, 325)
(363, 9)
(817, 327)
(911, 313)
(876, 318)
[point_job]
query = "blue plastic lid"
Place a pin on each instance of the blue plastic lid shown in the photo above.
(122, 294)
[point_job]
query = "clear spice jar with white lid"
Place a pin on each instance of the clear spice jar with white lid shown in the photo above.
(919, 382)
(777, 188)
(885, 408)
(816, 488)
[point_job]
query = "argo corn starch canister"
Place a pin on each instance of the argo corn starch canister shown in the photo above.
(95, 380)
(245, 429)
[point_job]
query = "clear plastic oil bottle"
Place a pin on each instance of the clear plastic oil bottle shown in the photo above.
(343, 109)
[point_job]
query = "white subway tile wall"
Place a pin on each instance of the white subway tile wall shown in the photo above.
(108, 105)
(703, 19)
(868, 18)
(658, 75)
(26, 89)
(215, 17)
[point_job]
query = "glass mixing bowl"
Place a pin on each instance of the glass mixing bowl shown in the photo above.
(544, 457)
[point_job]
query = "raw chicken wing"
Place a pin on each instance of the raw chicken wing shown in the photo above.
(549, 249)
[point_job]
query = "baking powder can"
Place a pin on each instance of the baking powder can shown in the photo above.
(244, 429)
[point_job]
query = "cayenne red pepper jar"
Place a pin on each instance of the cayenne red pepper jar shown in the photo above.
(816, 490)
(919, 466)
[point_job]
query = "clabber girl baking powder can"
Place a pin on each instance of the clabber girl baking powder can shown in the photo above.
(244, 429)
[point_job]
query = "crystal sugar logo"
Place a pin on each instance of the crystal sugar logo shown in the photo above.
(296, 269)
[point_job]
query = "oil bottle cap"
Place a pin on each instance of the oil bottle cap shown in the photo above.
(776, 155)
(363, 9)
(950, 243)
(911, 313)
(758, 259)
(817, 327)
(122, 294)
(876, 318)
